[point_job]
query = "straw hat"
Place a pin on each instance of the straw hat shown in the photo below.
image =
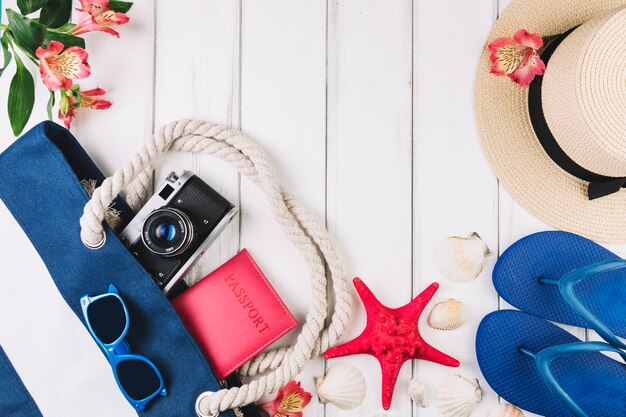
(559, 146)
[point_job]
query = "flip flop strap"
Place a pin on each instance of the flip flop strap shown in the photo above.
(566, 286)
(544, 358)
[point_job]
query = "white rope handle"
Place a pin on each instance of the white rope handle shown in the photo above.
(299, 225)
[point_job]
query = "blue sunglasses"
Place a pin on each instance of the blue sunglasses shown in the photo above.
(107, 319)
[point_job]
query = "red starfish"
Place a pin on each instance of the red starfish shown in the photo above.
(391, 335)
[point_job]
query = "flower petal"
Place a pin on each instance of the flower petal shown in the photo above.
(72, 63)
(295, 398)
(67, 118)
(499, 43)
(111, 18)
(289, 402)
(54, 47)
(51, 79)
(532, 40)
(94, 92)
(88, 23)
(507, 59)
(541, 66)
(522, 76)
(96, 104)
(526, 73)
(109, 31)
(496, 69)
(94, 7)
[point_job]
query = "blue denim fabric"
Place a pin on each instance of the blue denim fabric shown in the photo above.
(40, 185)
(15, 401)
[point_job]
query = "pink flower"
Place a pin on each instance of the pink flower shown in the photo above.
(290, 401)
(92, 99)
(58, 69)
(110, 18)
(88, 99)
(95, 15)
(94, 7)
(67, 118)
(517, 58)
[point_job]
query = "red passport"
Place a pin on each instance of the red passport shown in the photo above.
(234, 313)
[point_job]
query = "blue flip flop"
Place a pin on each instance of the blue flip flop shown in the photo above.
(541, 368)
(565, 278)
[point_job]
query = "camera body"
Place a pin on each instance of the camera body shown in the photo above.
(175, 226)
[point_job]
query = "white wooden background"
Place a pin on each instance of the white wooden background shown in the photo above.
(365, 108)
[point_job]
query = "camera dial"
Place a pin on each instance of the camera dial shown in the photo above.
(167, 231)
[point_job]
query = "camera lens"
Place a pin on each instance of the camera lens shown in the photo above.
(167, 232)
(164, 232)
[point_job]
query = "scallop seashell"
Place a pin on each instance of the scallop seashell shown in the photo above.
(447, 315)
(343, 385)
(417, 392)
(456, 396)
(505, 410)
(460, 259)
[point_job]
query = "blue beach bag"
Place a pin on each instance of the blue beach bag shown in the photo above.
(56, 247)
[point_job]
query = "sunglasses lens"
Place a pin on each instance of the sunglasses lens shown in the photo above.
(107, 318)
(138, 379)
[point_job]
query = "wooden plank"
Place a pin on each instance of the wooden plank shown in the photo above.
(454, 192)
(124, 67)
(515, 222)
(198, 77)
(283, 108)
(369, 166)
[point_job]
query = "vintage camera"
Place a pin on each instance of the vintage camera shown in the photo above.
(172, 230)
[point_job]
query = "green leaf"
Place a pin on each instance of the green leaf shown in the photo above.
(66, 27)
(51, 101)
(21, 97)
(30, 6)
(56, 13)
(4, 41)
(120, 6)
(29, 35)
(64, 38)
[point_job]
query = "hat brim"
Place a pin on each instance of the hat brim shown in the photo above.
(510, 144)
